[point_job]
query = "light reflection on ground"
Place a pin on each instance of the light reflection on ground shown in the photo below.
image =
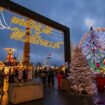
(4, 96)
(53, 96)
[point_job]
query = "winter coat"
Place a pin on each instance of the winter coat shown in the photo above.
(20, 74)
(30, 75)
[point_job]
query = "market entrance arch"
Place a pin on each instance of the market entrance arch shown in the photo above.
(39, 19)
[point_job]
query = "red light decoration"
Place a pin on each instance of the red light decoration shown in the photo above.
(104, 61)
(97, 65)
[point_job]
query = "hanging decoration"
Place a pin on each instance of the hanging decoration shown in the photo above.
(38, 27)
(3, 23)
(18, 32)
(97, 65)
(35, 38)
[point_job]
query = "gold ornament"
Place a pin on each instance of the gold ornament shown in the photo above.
(1, 9)
(78, 65)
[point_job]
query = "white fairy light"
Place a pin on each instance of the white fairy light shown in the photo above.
(89, 22)
(5, 25)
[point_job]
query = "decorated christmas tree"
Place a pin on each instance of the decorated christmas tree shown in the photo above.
(80, 75)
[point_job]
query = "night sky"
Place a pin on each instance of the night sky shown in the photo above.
(75, 14)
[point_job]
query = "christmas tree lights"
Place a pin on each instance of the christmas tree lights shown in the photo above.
(80, 75)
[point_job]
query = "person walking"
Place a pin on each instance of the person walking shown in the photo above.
(11, 76)
(16, 74)
(29, 74)
(43, 76)
(20, 75)
(59, 79)
(24, 77)
(2, 75)
(50, 78)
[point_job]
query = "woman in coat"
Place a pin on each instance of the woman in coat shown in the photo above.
(20, 75)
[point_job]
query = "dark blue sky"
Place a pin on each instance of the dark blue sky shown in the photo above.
(72, 13)
(76, 14)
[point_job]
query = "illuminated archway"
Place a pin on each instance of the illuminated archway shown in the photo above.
(43, 20)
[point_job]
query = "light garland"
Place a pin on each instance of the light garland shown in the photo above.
(5, 25)
(38, 27)
(19, 34)
(1, 9)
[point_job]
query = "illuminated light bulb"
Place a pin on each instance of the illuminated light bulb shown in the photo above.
(19, 34)
(32, 39)
(89, 22)
(47, 30)
(37, 27)
(1, 9)
(19, 21)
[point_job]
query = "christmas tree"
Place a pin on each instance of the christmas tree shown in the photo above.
(80, 75)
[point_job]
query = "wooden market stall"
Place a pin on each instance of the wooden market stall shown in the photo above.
(19, 93)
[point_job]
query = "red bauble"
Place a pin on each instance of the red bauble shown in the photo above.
(97, 64)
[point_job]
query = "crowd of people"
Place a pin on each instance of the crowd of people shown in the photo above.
(20, 75)
(2, 75)
(48, 75)
(15, 75)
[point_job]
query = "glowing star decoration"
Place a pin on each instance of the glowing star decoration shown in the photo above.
(35, 38)
(89, 22)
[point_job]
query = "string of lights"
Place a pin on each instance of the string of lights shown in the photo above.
(19, 34)
(5, 25)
